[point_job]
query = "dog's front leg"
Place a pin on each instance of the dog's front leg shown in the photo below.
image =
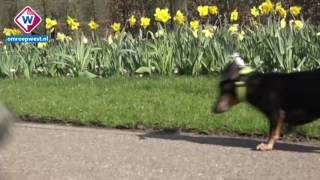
(274, 132)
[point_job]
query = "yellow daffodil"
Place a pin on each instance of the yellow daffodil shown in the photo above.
(69, 20)
(278, 6)
(241, 35)
(283, 23)
(16, 31)
(195, 33)
(116, 27)
(50, 23)
(233, 28)
(84, 39)
(297, 24)
(7, 31)
(280, 10)
(255, 12)
(145, 22)
(93, 25)
(234, 15)
(266, 7)
(162, 15)
(132, 21)
(11, 32)
(179, 18)
(74, 25)
(194, 25)
(110, 40)
(203, 11)
(213, 10)
(160, 33)
(208, 33)
(295, 10)
(68, 38)
(41, 45)
(62, 37)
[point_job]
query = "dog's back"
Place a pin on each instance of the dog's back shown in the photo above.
(296, 93)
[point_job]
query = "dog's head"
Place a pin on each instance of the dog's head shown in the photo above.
(231, 84)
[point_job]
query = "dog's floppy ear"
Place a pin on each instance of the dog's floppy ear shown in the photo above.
(231, 72)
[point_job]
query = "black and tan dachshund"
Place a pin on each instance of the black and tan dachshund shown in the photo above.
(292, 98)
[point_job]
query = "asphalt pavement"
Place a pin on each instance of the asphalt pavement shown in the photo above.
(54, 152)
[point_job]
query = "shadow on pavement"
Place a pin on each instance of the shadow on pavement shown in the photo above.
(230, 142)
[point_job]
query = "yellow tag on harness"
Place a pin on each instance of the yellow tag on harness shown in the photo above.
(245, 70)
(241, 90)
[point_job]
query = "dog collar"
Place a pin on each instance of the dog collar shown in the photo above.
(241, 90)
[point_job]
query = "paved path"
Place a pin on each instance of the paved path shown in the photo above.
(50, 152)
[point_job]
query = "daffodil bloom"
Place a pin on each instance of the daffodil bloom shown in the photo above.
(116, 27)
(233, 28)
(13, 31)
(208, 33)
(50, 23)
(283, 23)
(278, 6)
(68, 38)
(295, 10)
(145, 22)
(132, 21)
(203, 11)
(93, 25)
(234, 15)
(7, 31)
(241, 35)
(74, 25)
(160, 33)
(162, 15)
(280, 10)
(266, 7)
(179, 18)
(41, 45)
(297, 24)
(195, 33)
(255, 12)
(110, 40)
(69, 20)
(194, 25)
(84, 39)
(16, 31)
(213, 10)
(61, 37)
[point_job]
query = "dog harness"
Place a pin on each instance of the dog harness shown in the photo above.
(241, 89)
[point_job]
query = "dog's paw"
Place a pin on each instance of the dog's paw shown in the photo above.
(264, 147)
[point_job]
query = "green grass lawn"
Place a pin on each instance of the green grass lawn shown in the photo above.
(166, 102)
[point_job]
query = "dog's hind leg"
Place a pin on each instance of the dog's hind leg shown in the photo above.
(276, 124)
